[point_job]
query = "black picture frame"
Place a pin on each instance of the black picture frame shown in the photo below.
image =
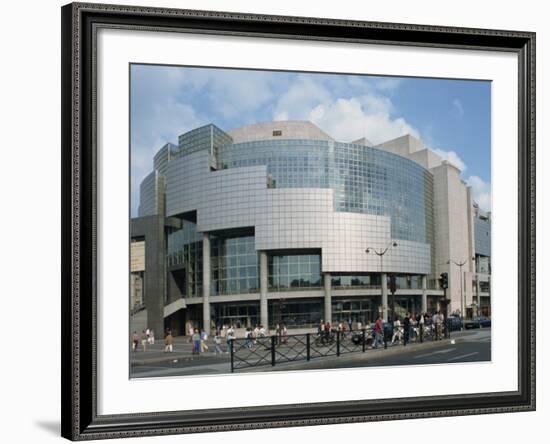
(80, 420)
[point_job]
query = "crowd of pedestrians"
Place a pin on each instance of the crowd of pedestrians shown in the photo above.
(401, 330)
(146, 338)
(414, 325)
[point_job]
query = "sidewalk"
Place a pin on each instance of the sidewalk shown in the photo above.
(183, 352)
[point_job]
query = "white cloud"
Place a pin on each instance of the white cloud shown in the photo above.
(300, 98)
(481, 191)
(458, 107)
(351, 119)
(451, 157)
(345, 119)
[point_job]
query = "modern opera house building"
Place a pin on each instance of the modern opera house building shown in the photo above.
(280, 222)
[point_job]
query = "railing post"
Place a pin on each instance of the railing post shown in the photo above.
(308, 344)
(273, 342)
(337, 343)
(232, 358)
(385, 336)
(364, 341)
(421, 333)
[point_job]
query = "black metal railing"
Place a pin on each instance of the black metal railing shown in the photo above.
(273, 350)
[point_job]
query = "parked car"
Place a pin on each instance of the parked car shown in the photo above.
(477, 322)
(455, 323)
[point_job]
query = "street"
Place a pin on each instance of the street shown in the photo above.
(465, 346)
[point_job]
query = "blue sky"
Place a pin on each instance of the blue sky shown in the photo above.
(452, 117)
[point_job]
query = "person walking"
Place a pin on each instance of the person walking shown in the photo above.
(144, 340)
(397, 331)
(135, 341)
(378, 333)
(217, 343)
(196, 342)
(168, 342)
(438, 320)
(248, 338)
(406, 328)
(151, 337)
(190, 331)
(229, 337)
(262, 333)
(204, 337)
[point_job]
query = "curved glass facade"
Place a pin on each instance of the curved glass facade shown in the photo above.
(365, 180)
(235, 266)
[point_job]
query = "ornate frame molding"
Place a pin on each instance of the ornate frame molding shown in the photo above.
(80, 22)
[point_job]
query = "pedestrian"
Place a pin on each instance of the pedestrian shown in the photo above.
(438, 320)
(204, 337)
(378, 333)
(406, 328)
(328, 331)
(196, 342)
(397, 330)
(285, 334)
(191, 331)
(263, 332)
(151, 337)
(148, 333)
(321, 331)
(229, 338)
(217, 343)
(248, 338)
(144, 340)
(135, 341)
(168, 343)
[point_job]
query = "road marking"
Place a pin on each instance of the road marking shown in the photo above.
(437, 352)
(456, 358)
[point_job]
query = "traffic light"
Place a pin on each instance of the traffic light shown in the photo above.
(444, 280)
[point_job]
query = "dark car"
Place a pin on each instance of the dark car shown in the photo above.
(454, 323)
(477, 322)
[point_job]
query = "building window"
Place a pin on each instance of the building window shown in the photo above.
(295, 313)
(240, 315)
(294, 272)
(235, 266)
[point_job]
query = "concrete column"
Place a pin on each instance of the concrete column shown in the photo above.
(384, 296)
(328, 298)
(424, 294)
(264, 319)
(206, 282)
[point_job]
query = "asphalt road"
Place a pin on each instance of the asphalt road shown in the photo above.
(467, 346)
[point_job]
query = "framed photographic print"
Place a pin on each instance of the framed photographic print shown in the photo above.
(340, 213)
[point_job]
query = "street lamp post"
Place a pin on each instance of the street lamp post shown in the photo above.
(380, 254)
(462, 301)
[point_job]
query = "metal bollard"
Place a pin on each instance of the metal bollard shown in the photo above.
(364, 341)
(337, 343)
(308, 345)
(273, 342)
(232, 357)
